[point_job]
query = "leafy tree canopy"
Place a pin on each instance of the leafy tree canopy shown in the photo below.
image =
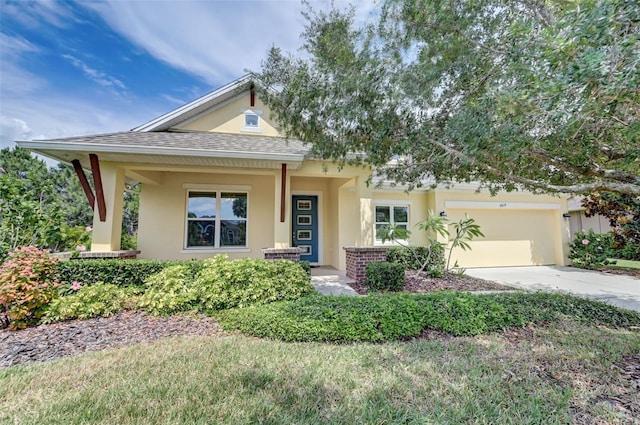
(524, 93)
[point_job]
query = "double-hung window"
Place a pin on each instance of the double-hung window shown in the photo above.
(216, 219)
(391, 215)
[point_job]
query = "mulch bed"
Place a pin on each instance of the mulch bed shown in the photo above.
(47, 342)
(421, 282)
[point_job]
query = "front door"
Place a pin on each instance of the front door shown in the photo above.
(305, 226)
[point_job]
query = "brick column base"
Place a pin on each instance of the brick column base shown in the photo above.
(359, 256)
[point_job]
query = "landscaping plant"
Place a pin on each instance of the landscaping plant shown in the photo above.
(590, 250)
(383, 276)
(385, 317)
(28, 282)
(85, 302)
(219, 283)
(464, 231)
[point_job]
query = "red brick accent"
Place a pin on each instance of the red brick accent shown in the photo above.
(292, 254)
(359, 256)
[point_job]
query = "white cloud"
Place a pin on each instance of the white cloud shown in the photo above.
(98, 76)
(35, 14)
(215, 40)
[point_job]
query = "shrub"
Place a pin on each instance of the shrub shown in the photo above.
(219, 284)
(382, 276)
(306, 266)
(170, 291)
(117, 272)
(100, 299)
(28, 281)
(630, 251)
(590, 250)
(375, 318)
(384, 317)
(429, 258)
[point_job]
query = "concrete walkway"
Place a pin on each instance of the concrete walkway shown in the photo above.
(619, 290)
(329, 281)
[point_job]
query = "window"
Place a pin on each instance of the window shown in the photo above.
(252, 120)
(391, 215)
(216, 219)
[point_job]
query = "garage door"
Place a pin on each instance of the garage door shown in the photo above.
(513, 236)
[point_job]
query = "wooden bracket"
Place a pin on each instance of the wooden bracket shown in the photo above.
(97, 182)
(84, 182)
(283, 193)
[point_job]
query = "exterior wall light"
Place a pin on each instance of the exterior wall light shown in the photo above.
(566, 215)
(443, 214)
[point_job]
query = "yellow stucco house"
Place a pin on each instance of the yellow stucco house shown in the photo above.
(217, 178)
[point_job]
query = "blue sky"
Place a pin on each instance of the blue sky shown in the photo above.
(70, 68)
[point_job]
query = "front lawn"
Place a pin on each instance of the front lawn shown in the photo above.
(625, 264)
(558, 374)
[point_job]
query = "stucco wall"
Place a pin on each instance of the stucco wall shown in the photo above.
(163, 209)
(229, 118)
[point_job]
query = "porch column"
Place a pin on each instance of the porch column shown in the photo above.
(367, 220)
(106, 235)
(282, 229)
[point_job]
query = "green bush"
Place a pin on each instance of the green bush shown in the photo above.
(28, 282)
(220, 284)
(590, 250)
(306, 266)
(630, 251)
(414, 257)
(117, 272)
(376, 318)
(100, 299)
(170, 291)
(382, 276)
(384, 317)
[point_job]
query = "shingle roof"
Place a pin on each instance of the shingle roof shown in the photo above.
(186, 141)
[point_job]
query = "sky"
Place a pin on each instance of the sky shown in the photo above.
(72, 68)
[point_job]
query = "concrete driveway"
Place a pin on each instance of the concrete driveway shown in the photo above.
(618, 290)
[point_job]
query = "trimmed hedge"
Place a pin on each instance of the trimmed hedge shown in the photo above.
(383, 276)
(117, 272)
(384, 317)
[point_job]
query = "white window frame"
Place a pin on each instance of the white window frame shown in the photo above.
(218, 190)
(250, 128)
(390, 205)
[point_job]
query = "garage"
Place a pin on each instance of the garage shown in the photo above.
(516, 234)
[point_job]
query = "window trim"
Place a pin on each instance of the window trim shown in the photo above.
(218, 190)
(254, 129)
(391, 204)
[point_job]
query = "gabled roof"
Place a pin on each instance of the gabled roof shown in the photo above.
(191, 109)
(179, 148)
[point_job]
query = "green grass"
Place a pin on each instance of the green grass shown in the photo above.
(625, 264)
(541, 375)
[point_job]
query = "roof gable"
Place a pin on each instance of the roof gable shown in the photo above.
(202, 104)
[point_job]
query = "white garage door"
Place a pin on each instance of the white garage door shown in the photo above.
(513, 237)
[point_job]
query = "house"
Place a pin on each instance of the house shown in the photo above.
(217, 178)
(578, 220)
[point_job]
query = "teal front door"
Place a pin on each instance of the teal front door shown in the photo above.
(305, 226)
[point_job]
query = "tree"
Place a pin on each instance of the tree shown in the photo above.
(527, 93)
(29, 213)
(46, 207)
(623, 212)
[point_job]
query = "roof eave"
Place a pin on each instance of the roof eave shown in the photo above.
(160, 123)
(38, 146)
